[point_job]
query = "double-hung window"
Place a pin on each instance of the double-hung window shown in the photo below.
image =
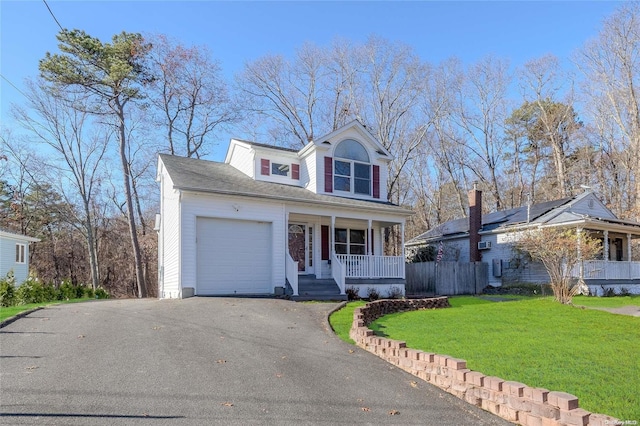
(20, 253)
(350, 241)
(352, 168)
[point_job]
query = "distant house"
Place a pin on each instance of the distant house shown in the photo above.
(488, 238)
(271, 220)
(14, 255)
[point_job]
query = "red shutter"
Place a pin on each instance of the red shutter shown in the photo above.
(328, 174)
(265, 165)
(376, 181)
(295, 171)
(324, 240)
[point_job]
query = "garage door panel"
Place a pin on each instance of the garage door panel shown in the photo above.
(233, 257)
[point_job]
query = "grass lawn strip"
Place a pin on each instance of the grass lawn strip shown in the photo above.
(12, 311)
(588, 353)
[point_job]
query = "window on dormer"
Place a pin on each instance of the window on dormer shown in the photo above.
(352, 168)
(279, 169)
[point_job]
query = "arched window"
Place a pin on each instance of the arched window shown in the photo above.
(352, 168)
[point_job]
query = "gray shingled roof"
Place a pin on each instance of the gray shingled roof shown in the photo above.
(264, 145)
(220, 178)
(491, 221)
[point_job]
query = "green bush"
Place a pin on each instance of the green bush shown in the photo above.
(30, 291)
(7, 293)
(101, 293)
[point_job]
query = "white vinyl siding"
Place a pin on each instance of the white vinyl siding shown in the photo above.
(195, 205)
(242, 159)
(169, 239)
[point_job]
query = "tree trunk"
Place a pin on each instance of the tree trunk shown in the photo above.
(126, 177)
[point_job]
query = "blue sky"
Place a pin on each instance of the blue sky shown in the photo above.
(241, 31)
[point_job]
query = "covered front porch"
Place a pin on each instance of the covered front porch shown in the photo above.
(618, 266)
(346, 249)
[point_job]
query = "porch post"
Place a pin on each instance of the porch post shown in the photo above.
(581, 264)
(369, 251)
(606, 254)
(402, 251)
(332, 236)
(629, 248)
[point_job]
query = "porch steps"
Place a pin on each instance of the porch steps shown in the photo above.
(312, 288)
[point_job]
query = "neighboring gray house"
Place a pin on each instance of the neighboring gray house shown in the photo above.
(312, 220)
(14, 255)
(490, 241)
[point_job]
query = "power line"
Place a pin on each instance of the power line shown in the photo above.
(13, 85)
(52, 15)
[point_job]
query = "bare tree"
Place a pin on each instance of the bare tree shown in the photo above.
(78, 150)
(560, 251)
(480, 114)
(287, 93)
(191, 95)
(611, 64)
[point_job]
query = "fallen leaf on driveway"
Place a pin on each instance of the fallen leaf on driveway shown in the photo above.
(221, 361)
(394, 412)
(157, 327)
(227, 404)
(32, 367)
(81, 336)
(413, 384)
(278, 375)
(365, 409)
(360, 400)
(351, 351)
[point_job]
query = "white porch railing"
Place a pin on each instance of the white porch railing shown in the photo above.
(338, 272)
(609, 270)
(291, 272)
(362, 266)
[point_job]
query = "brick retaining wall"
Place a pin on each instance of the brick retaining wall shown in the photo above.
(513, 401)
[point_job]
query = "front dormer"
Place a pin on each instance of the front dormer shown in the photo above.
(348, 162)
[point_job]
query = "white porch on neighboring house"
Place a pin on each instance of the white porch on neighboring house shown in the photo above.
(616, 268)
(343, 249)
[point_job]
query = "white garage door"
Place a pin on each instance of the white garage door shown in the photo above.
(233, 257)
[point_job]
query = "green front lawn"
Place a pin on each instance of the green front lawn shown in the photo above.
(592, 354)
(8, 312)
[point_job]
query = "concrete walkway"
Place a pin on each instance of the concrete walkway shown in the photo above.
(205, 361)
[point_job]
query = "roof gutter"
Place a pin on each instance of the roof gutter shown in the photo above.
(389, 209)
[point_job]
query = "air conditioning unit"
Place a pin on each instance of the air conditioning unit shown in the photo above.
(484, 245)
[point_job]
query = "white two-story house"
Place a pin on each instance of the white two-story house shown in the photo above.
(271, 220)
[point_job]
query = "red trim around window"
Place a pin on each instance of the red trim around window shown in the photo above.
(376, 181)
(265, 165)
(295, 171)
(328, 174)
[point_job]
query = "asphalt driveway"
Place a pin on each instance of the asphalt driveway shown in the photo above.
(205, 361)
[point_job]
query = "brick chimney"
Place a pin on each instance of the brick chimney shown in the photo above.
(475, 223)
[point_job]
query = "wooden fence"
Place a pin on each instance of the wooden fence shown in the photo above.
(446, 278)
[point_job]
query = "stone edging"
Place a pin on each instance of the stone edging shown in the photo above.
(513, 401)
(9, 320)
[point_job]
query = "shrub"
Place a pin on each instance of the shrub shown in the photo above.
(69, 291)
(352, 293)
(424, 254)
(395, 292)
(30, 291)
(7, 293)
(372, 294)
(88, 292)
(101, 293)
